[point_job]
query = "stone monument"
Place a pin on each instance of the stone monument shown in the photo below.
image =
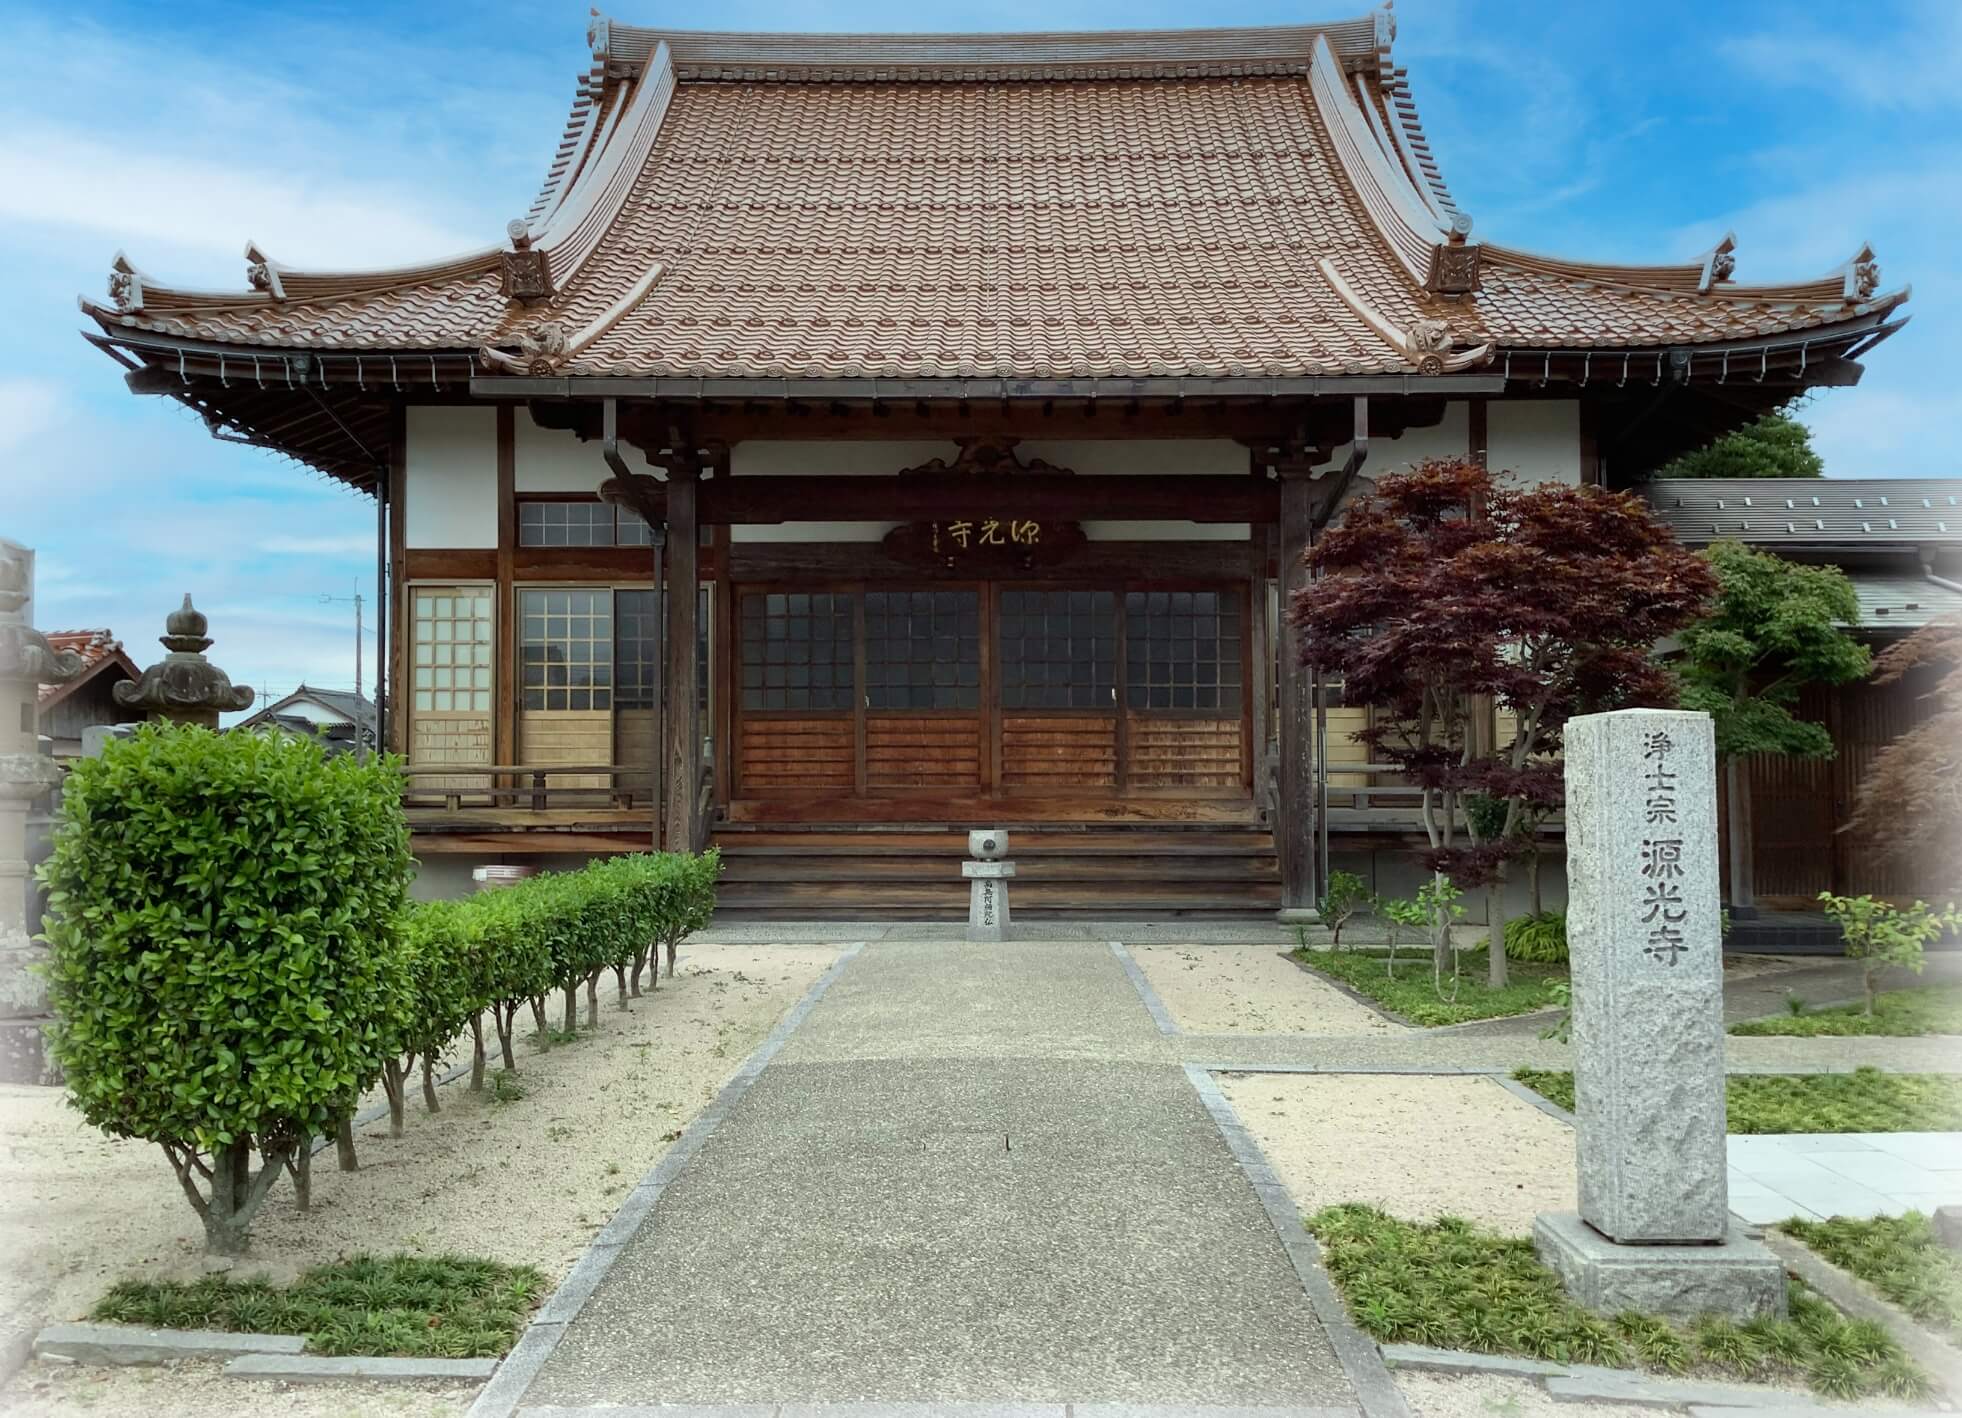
(1654, 1230)
(184, 687)
(26, 662)
(987, 874)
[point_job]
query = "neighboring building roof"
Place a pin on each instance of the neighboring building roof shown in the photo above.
(355, 708)
(1206, 204)
(100, 651)
(1900, 602)
(1816, 511)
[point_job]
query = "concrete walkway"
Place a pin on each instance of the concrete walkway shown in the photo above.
(1776, 1176)
(972, 1175)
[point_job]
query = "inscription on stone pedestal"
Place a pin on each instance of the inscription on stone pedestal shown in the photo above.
(987, 903)
(1647, 963)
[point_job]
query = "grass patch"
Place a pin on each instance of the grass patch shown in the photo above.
(1865, 1100)
(441, 1307)
(1900, 1256)
(1413, 994)
(1897, 1013)
(1455, 1286)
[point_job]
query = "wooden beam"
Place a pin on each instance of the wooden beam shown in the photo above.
(683, 751)
(504, 616)
(1296, 829)
(1094, 561)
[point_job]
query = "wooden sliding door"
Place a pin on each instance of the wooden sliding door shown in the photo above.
(1024, 699)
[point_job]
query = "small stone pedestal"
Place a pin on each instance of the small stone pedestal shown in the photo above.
(1654, 1229)
(988, 876)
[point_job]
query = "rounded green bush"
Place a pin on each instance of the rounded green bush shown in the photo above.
(224, 923)
(1541, 938)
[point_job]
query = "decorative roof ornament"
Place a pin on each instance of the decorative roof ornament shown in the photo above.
(1457, 263)
(261, 273)
(1860, 276)
(24, 651)
(1424, 342)
(527, 271)
(125, 285)
(546, 347)
(599, 35)
(1719, 263)
(184, 687)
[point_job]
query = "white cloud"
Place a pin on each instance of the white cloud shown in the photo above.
(28, 407)
(352, 544)
(1912, 69)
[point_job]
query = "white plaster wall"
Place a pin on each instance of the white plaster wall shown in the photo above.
(554, 460)
(1534, 440)
(450, 492)
(1141, 457)
(1449, 437)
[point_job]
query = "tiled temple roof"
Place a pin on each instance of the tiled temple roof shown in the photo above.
(1208, 203)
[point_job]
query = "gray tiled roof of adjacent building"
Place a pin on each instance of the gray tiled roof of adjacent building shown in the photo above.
(1902, 602)
(1820, 511)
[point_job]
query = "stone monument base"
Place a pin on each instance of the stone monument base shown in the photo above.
(24, 1056)
(1298, 916)
(1739, 1277)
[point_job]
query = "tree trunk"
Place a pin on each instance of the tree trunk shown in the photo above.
(1440, 936)
(429, 1087)
(1867, 970)
(673, 946)
(538, 1016)
(477, 1052)
(640, 964)
(620, 980)
(1534, 902)
(236, 1194)
(344, 1145)
(392, 1080)
(572, 1007)
(592, 1000)
(302, 1169)
(1495, 928)
(507, 1023)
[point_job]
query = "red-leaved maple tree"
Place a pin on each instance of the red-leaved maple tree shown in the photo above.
(1443, 590)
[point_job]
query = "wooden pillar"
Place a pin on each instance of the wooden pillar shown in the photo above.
(1297, 827)
(505, 694)
(683, 753)
(1743, 898)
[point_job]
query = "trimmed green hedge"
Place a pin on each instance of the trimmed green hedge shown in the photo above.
(234, 961)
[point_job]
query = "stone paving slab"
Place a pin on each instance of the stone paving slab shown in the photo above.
(134, 1344)
(975, 1174)
(1776, 1176)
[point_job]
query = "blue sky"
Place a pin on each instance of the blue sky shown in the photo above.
(350, 135)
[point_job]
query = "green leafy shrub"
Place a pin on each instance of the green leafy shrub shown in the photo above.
(1901, 1013)
(1542, 937)
(1879, 934)
(1865, 1100)
(1345, 895)
(225, 966)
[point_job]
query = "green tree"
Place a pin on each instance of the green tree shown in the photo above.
(1777, 626)
(1776, 446)
(225, 952)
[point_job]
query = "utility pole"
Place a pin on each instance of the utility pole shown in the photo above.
(360, 745)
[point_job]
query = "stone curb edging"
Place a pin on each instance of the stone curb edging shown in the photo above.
(1537, 1099)
(500, 1397)
(134, 1344)
(1927, 1349)
(1361, 1361)
(879, 1409)
(371, 1368)
(1160, 1015)
(1593, 1382)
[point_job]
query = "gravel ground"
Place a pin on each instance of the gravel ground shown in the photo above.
(1251, 989)
(1416, 1147)
(200, 1390)
(527, 1181)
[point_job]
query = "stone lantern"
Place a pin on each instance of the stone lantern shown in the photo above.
(26, 662)
(184, 687)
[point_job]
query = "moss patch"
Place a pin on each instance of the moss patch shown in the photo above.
(1412, 992)
(1897, 1013)
(442, 1307)
(1900, 1256)
(1454, 1286)
(1865, 1100)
